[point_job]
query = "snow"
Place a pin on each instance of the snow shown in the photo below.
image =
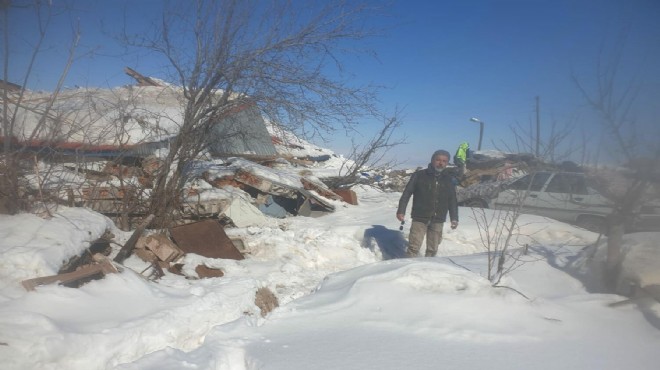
(119, 116)
(347, 300)
(344, 303)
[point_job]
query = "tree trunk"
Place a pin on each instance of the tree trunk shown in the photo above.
(615, 230)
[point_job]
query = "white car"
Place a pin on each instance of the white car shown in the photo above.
(563, 196)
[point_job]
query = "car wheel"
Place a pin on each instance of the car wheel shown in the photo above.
(591, 223)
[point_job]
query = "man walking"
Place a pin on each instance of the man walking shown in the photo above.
(434, 195)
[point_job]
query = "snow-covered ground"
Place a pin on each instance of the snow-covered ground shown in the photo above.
(346, 301)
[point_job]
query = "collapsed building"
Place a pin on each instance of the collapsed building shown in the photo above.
(101, 148)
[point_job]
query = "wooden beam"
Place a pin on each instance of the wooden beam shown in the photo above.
(141, 80)
(130, 244)
(104, 267)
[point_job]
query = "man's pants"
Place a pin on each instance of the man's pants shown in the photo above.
(433, 233)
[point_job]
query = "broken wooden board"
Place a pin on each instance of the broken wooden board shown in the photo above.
(90, 272)
(161, 246)
(126, 250)
(206, 238)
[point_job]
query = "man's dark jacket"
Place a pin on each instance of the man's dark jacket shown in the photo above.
(433, 193)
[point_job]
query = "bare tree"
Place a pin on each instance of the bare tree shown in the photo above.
(14, 96)
(613, 97)
(276, 54)
(371, 154)
(497, 231)
(556, 145)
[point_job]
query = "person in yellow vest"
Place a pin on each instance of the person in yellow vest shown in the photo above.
(461, 157)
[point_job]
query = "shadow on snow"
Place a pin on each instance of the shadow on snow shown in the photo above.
(392, 243)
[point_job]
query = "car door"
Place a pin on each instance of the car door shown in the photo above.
(566, 197)
(522, 193)
(559, 198)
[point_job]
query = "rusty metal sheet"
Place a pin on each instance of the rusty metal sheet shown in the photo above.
(206, 238)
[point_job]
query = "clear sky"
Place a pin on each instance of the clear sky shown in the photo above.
(442, 62)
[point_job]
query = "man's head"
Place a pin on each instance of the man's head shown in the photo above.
(440, 159)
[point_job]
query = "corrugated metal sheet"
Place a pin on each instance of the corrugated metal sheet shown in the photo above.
(242, 132)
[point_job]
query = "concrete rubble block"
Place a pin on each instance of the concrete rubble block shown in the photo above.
(206, 238)
(312, 205)
(161, 246)
(204, 272)
(243, 214)
(347, 195)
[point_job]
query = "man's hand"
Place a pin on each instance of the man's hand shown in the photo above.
(454, 224)
(399, 216)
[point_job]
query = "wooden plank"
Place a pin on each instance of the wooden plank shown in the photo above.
(130, 244)
(141, 80)
(88, 271)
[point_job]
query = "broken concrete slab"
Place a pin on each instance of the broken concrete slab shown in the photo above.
(318, 187)
(258, 182)
(243, 214)
(317, 203)
(347, 195)
(206, 238)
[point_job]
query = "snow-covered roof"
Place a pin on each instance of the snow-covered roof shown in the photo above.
(129, 116)
(121, 116)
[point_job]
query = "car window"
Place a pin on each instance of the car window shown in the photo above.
(538, 180)
(567, 183)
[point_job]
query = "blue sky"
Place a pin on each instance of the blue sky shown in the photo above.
(441, 61)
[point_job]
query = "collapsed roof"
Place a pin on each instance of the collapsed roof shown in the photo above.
(132, 120)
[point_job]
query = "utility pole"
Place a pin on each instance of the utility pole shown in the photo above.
(538, 127)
